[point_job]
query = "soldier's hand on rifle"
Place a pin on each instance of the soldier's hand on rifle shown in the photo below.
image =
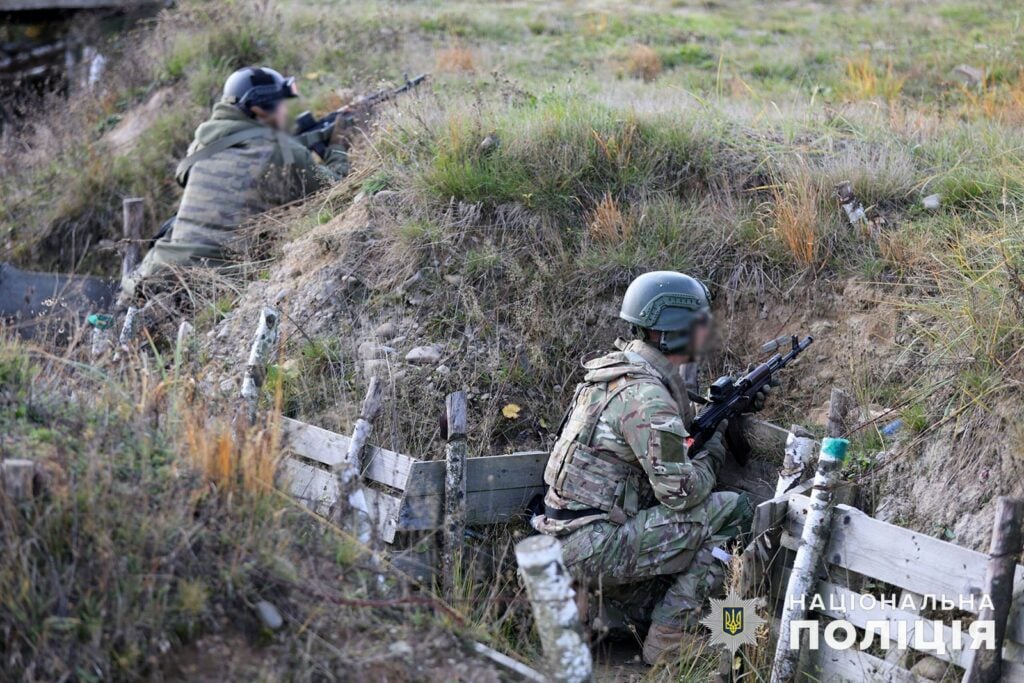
(759, 399)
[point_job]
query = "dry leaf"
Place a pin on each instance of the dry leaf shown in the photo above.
(511, 411)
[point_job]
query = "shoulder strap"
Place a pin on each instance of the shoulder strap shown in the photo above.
(226, 142)
(609, 397)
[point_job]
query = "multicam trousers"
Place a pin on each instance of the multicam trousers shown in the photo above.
(633, 562)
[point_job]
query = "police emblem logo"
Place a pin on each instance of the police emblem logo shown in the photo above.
(733, 622)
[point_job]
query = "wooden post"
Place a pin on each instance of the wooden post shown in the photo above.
(183, 341)
(800, 447)
(813, 540)
(549, 587)
(348, 472)
(128, 330)
(454, 490)
(264, 344)
(840, 404)
(1004, 551)
(132, 210)
(18, 478)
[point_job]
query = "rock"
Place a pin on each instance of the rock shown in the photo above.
(376, 367)
(930, 668)
(268, 615)
(369, 349)
(932, 202)
(443, 370)
(133, 126)
(386, 198)
(455, 280)
(424, 355)
(386, 330)
(970, 76)
(281, 295)
(227, 385)
(401, 649)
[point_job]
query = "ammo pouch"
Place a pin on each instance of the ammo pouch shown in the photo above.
(585, 475)
(597, 481)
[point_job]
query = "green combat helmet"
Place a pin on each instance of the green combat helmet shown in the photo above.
(667, 302)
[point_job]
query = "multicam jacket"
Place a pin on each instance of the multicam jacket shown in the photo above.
(226, 189)
(623, 444)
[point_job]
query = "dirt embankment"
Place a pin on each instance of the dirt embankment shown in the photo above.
(346, 293)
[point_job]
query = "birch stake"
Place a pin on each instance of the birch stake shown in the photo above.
(549, 587)
(808, 557)
(987, 666)
(348, 472)
(454, 490)
(128, 330)
(264, 344)
(800, 446)
(133, 218)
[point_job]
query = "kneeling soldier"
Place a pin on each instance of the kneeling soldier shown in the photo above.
(634, 508)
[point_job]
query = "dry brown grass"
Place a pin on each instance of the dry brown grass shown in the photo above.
(456, 59)
(243, 459)
(1002, 103)
(607, 223)
(643, 63)
(864, 81)
(795, 219)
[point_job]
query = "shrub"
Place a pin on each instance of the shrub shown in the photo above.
(643, 63)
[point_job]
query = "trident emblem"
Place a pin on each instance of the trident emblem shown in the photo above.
(732, 620)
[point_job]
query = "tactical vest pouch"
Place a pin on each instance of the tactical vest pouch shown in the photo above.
(591, 479)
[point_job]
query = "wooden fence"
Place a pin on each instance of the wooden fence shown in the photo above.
(868, 557)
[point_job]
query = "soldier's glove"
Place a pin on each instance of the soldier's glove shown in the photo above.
(759, 399)
(715, 446)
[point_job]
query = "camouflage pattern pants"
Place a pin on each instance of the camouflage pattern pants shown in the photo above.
(632, 563)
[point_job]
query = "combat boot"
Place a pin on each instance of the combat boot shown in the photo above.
(661, 639)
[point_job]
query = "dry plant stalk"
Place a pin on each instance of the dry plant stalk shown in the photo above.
(643, 63)
(456, 58)
(234, 459)
(864, 82)
(607, 223)
(796, 219)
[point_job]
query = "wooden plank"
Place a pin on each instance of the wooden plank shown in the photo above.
(488, 473)
(317, 489)
(331, 449)
(902, 557)
(855, 665)
(848, 606)
(423, 513)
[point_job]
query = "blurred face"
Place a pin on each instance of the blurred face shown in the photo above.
(701, 334)
(276, 118)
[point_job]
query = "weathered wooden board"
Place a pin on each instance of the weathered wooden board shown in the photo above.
(331, 449)
(317, 489)
(892, 554)
(855, 665)
(858, 615)
(489, 473)
(423, 513)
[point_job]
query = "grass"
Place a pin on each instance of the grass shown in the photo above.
(160, 526)
(656, 136)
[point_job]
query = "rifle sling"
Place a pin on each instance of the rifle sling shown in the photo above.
(226, 142)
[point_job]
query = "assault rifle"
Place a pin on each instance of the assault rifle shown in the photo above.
(729, 398)
(307, 124)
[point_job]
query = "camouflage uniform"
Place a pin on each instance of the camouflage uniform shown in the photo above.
(231, 186)
(630, 504)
